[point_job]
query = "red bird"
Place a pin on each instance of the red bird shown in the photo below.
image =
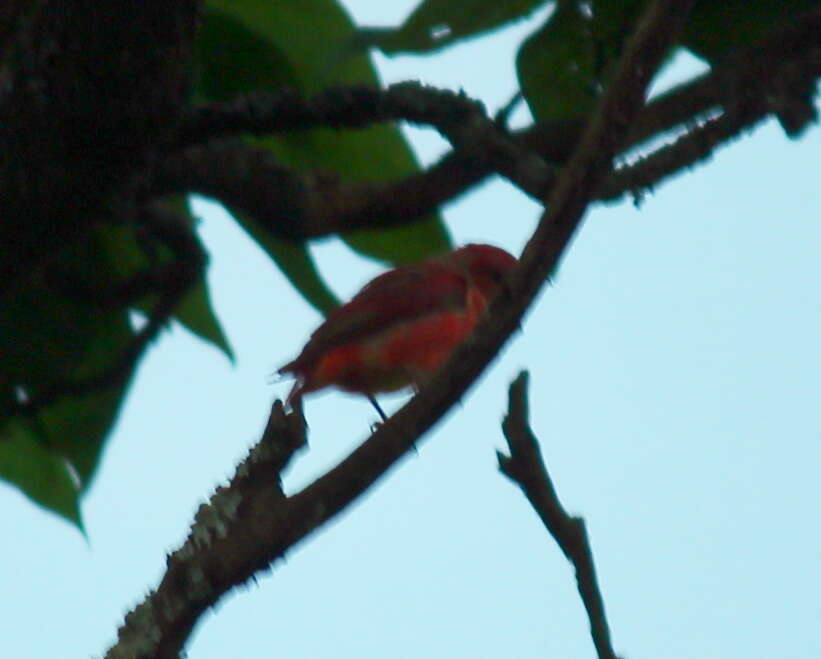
(400, 328)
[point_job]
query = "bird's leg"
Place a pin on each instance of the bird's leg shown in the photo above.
(378, 408)
(506, 110)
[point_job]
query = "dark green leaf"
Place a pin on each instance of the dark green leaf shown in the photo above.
(197, 315)
(406, 244)
(74, 426)
(438, 23)
(564, 67)
(77, 426)
(44, 335)
(716, 27)
(195, 311)
(42, 475)
(612, 22)
(232, 58)
(117, 247)
(305, 35)
(57, 332)
(557, 66)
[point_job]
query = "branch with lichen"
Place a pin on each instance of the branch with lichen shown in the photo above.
(223, 548)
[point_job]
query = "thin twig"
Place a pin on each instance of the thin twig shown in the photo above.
(696, 145)
(525, 467)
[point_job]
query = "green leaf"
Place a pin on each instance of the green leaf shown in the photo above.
(557, 66)
(54, 333)
(309, 37)
(716, 27)
(404, 244)
(296, 264)
(564, 67)
(44, 335)
(77, 428)
(435, 24)
(115, 248)
(67, 336)
(40, 474)
(305, 36)
(196, 313)
(231, 58)
(74, 427)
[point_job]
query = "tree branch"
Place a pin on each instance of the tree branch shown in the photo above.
(280, 524)
(745, 73)
(525, 467)
(696, 145)
(459, 119)
(225, 530)
(777, 75)
(300, 206)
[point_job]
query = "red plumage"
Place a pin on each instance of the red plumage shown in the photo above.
(402, 325)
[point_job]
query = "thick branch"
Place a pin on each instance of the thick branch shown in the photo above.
(235, 522)
(278, 525)
(458, 118)
(299, 206)
(525, 467)
(775, 76)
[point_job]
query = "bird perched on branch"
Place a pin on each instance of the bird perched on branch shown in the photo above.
(400, 328)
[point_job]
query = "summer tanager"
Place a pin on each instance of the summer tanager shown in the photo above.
(401, 327)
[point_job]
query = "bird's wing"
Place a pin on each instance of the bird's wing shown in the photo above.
(391, 298)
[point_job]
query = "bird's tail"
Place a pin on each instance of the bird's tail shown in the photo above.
(293, 369)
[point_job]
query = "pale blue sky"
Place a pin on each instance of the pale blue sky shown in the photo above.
(675, 368)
